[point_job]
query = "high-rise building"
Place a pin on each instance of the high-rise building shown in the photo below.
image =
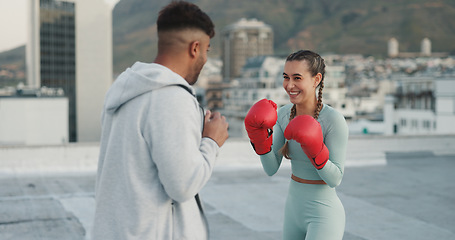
(242, 40)
(70, 47)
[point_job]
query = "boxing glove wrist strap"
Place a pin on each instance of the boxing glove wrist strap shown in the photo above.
(321, 159)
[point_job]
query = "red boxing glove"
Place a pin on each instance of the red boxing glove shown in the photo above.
(259, 122)
(306, 130)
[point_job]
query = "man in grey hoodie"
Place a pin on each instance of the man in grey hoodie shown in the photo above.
(158, 149)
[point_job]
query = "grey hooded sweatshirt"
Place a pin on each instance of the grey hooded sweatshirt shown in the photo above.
(153, 160)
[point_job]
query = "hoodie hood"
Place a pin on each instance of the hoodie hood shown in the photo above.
(139, 79)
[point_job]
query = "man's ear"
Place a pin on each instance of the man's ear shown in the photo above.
(195, 49)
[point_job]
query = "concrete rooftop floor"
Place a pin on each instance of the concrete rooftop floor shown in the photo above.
(393, 188)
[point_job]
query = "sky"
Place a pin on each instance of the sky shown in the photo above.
(13, 18)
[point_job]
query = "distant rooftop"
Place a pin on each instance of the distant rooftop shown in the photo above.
(244, 23)
(22, 91)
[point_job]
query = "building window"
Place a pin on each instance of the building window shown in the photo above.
(426, 124)
(403, 122)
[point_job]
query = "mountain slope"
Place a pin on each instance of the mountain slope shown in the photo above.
(340, 26)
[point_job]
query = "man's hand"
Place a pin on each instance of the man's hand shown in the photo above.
(215, 127)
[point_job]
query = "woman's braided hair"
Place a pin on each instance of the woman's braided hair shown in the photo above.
(315, 65)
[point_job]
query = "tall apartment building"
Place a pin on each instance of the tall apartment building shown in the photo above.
(70, 47)
(242, 40)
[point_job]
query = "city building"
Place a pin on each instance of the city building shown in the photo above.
(242, 40)
(421, 105)
(425, 47)
(261, 77)
(209, 84)
(425, 50)
(70, 47)
(393, 47)
(335, 90)
(214, 94)
(33, 116)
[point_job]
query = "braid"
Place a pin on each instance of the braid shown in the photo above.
(319, 104)
(293, 112)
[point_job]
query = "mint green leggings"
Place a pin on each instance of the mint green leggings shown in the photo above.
(313, 212)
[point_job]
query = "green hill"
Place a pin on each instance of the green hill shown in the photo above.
(12, 67)
(339, 26)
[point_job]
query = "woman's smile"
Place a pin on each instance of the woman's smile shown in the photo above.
(293, 95)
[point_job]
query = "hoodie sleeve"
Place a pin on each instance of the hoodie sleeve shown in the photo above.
(183, 158)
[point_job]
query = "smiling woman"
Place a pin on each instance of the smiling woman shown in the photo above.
(314, 137)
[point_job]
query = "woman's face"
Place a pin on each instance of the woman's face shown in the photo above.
(298, 82)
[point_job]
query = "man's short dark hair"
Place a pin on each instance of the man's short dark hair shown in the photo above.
(179, 15)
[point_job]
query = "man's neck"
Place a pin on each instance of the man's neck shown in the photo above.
(174, 63)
